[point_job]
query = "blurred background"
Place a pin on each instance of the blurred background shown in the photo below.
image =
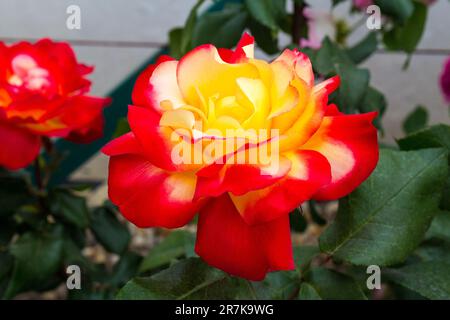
(118, 36)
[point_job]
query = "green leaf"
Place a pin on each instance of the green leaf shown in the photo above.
(400, 10)
(374, 100)
(222, 28)
(327, 57)
(330, 284)
(109, 231)
(13, 193)
(364, 49)
(122, 127)
(188, 29)
(175, 36)
(433, 250)
(437, 136)
(267, 12)
(382, 225)
(416, 120)
(354, 84)
(71, 208)
(175, 245)
(303, 255)
(281, 285)
(430, 279)
(440, 227)
(125, 269)
(37, 257)
(265, 38)
(307, 292)
(406, 37)
(187, 279)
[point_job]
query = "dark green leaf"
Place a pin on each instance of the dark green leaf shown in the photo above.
(354, 84)
(303, 255)
(307, 292)
(374, 100)
(122, 128)
(71, 208)
(406, 37)
(363, 49)
(177, 244)
(437, 136)
(222, 28)
(187, 279)
(175, 36)
(125, 269)
(398, 9)
(430, 279)
(37, 258)
(109, 231)
(279, 285)
(416, 120)
(433, 250)
(265, 38)
(267, 12)
(330, 284)
(440, 227)
(328, 56)
(188, 29)
(13, 193)
(380, 225)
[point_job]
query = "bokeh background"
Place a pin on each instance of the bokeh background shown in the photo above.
(117, 36)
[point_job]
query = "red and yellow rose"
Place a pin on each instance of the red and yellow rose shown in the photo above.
(243, 223)
(43, 92)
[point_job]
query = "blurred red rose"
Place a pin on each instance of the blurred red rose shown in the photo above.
(43, 93)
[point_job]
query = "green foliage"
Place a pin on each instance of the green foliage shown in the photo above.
(405, 37)
(37, 257)
(379, 225)
(430, 279)
(109, 231)
(322, 283)
(400, 10)
(416, 120)
(222, 28)
(270, 13)
(175, 245)
(14, 192)
(71, 208)
(363, 49)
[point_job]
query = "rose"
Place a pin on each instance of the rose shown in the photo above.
(445, 80)
(243, 224)
(43, 94)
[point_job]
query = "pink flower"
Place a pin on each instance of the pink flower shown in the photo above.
(362, 4)
(320, 25)
(445, 80)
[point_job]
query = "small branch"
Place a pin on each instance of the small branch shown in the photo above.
(38, 175)
(298, 22)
